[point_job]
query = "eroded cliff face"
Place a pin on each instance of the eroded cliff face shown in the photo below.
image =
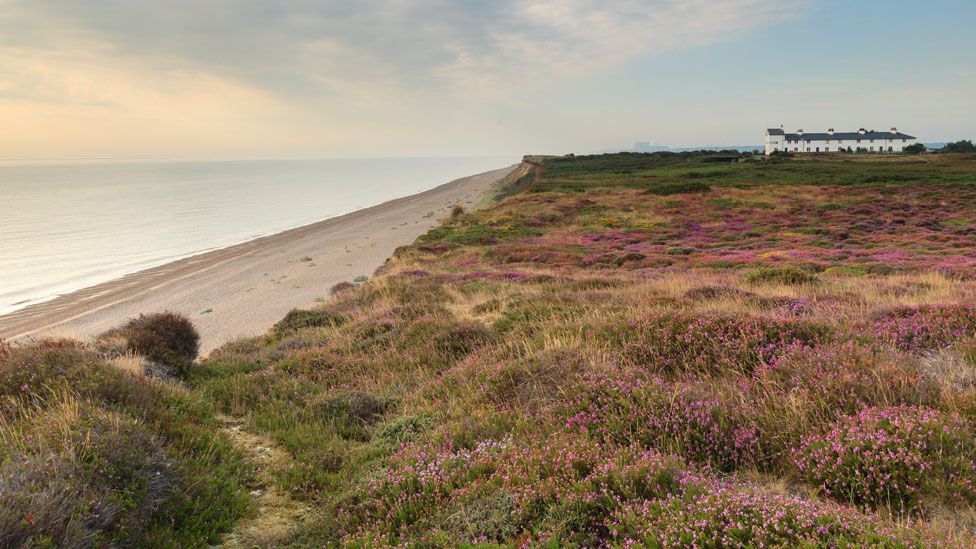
(531, 167)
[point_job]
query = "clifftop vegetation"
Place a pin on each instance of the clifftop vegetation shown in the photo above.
(663, 349)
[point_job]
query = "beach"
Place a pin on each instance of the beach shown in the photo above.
(242, 290)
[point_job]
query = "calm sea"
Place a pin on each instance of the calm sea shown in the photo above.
(68, 226)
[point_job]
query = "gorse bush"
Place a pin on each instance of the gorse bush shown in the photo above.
(892, 456)
(167, 338)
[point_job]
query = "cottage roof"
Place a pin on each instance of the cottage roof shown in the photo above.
(846, 136)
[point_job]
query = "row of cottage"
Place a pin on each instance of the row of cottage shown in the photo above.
(777, 140)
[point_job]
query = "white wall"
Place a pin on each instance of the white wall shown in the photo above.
(878, 145)
(774, 143)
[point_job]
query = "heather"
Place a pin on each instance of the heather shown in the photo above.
(893, 456)
(667, 350)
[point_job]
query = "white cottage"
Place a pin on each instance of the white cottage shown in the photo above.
(778, 140)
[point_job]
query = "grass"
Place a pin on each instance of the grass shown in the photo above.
(621, 349)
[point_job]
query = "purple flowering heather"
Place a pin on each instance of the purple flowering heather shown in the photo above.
(892, 456)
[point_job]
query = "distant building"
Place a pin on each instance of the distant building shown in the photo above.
(647, 146)
(778, 140)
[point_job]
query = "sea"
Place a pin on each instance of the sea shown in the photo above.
(69, 225)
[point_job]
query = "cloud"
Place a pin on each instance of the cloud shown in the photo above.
(306, 47)
(315, 70)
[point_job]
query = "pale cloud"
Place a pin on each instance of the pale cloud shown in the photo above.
(253, 74)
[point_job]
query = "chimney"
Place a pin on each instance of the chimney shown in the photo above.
(830, 131)
(799, 132)
(894, 130)
(862, 131)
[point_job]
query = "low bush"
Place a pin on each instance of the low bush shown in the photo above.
(892, 456)
(75, 475)
(166, 338)
(566, 485)
(675, 418)
(918, 329)
(808, 388)
(781, 275)
(99, 445)
(726, 516)
(297, 319)
(708, 293)
(681, 187)
(674, 343)
(341, 287)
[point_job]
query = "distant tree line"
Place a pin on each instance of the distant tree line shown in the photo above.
(961, 146)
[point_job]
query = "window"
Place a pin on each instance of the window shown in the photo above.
(872, 148)
(858, 140)
(904, 141)
(808, 149)
(827, 149)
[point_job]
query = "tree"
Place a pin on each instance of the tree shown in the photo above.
(962, 146)
(914, 148)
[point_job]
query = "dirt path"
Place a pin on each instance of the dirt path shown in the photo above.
(276, 512)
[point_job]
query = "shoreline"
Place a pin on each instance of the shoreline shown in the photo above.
(243, 289)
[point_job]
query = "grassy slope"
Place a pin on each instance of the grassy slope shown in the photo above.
(662, 348)
(510, 377)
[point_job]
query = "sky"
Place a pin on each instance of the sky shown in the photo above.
(252, 78)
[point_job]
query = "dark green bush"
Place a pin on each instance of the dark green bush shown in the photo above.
(682, 187)
(167, 338)
(296, 319)
(781, 275)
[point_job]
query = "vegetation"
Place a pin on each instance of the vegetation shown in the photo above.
(659, 349)
(961, 146)
(915, 148)
(168, 339)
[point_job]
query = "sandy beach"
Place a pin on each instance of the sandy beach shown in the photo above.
(244, 289)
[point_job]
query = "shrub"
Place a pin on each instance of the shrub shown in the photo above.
(708, 293)
(297, 319)
(167, 338)
(716, 343)
(457, 211)
(781, 275)
(562, 486)
(892, 456)
(726, 516)
(672, 418)
(680, 187)
(924, 328)
(915, 148)
(810, 387)
(74, 475)
(963, 145)
(341, 287)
